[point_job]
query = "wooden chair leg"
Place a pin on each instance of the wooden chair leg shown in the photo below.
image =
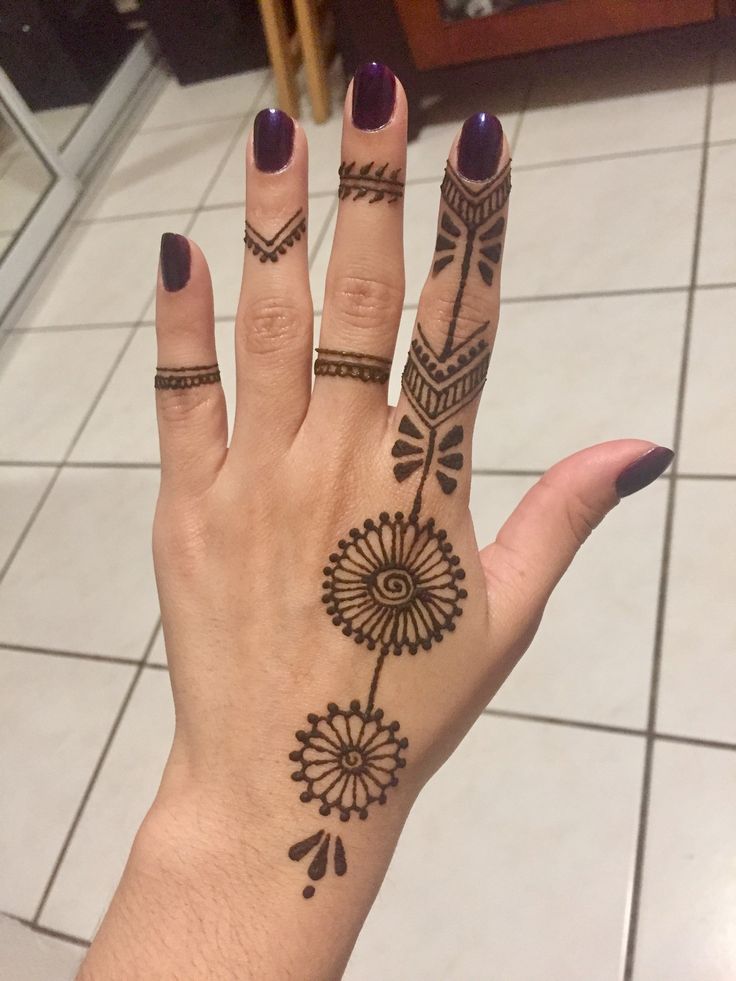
(307, 21)
(279, 53)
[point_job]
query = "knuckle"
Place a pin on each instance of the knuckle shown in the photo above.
(579, 516)
(271, 324)
(185, 406)
(364, 300)
(438, 311)
(181, 534)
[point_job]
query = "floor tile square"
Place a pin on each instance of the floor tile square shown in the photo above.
(698, 663)
(105, 273)
(166, 170)
(686, 919)
(20, 491)
(29, 956)
(83, 579)
(122, 429)
(616, 105)
(158, 651)
(527, 832)
(202, 102)
(122, 794)
(723, 118)
(591, 659)
(592, 226)
(55, 715)
(48, 382)
(709, 421)
(717, 263)
(619, 357)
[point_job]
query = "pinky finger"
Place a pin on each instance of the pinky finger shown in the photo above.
(190, 403)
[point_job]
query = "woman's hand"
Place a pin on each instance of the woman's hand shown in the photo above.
(332, 629)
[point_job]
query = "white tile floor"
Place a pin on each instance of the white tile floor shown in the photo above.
(586, 829)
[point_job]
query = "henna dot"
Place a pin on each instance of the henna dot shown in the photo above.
(384, 517)
(378, 715)
(432, 366)
(385, 649)
(345, 816)
(347, 630)
(426, 644)
(337, 620)
(382, 799)
(403, 742)
(301, 736)
(394, 781)
(354, 533)
(369, 524)
(462, 359)
(451, 369)
(334, 557)
(462, 593)
(313, 718)
(363, 815)
(440, 376)
(325, 809)
(394, 726)
(358, 638)
(371, 645)
(305, 796)
(424, 357)
(400, 763)
(326, 597)
(308, 892)
(295, 756)
(472, 352)
(332, 708)
(342, 544)
(396, 652)
(441, 535)
(327, 571)
(449, 625)
(355, 705)
(297, 775)
(399, 515)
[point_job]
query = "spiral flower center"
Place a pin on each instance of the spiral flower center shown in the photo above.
(392, 587)
(352, 759)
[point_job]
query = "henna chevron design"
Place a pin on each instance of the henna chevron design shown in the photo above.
(271, 248)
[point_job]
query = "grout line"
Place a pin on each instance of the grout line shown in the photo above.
(77, 655)
(613, 155)
(671, 737)
(568, 723)
(47, 931)
(93, 780)
(640, 854)
(29, 524)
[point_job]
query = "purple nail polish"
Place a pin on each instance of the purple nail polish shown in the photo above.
(175, 261)
(480, 147)
(643, 471)
(273, 140)
(374, 95)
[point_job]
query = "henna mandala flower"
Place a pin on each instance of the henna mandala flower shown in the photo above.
(349, 758)
(394, 585)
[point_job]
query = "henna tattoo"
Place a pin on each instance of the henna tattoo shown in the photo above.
(175, 378)
(367, 182)
(352, 364)
(271, 248)
(318, 865)
(439, 383)
(394, 585)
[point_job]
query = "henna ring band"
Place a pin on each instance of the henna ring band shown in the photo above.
(352, 364)
(202, 374)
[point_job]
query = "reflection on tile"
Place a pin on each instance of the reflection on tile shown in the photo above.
(617, 356)
(709, 423)
(602, 225)
(687, 928)
(47, 384)
(617, 107)
(47, 757)
(123, 793)
(123, 426)
(592, 657)
(723, 119)
(20, 490)
(232, 95)
(29, 956)
(166, 170)
(717, 262)
(59, 124)
(22, 186)
(104, 274)
(219, 233)
(83, 579)
(527, 831)
(698, 663)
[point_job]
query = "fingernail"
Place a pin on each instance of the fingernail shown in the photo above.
(374, 95)
(175, 261)
(273, 140)
(480, 147)
(644, 471)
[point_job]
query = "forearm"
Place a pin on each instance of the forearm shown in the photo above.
(208, 892)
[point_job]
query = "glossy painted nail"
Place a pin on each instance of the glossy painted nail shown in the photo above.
(374, 95)
(273, 140)
(643, 471)
(175, 261)
(480, 147)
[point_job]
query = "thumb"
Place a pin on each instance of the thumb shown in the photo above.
(541, 537)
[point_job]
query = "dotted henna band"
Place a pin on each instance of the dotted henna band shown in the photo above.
(352, 364)
(175, 378)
